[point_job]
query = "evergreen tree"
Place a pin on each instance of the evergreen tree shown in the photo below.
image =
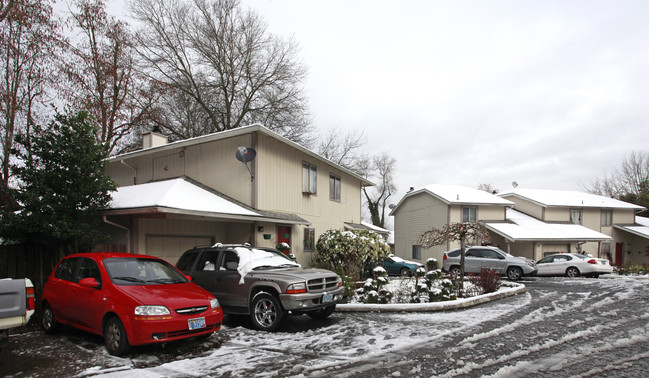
(61, 185)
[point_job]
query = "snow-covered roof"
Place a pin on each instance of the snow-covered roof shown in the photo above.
(522, 227)
(641, 228)
(182, 196)
(567, 198)
(458, 195)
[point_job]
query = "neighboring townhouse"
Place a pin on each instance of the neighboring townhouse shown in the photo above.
(634, 244)
(174, 196)
(556, 213)
(437, 205)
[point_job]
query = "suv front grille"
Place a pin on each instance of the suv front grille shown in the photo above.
(191, 310)
(322, 284)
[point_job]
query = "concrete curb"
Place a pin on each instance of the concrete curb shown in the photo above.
(435, 306)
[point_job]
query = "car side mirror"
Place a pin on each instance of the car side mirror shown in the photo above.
(231, 265)
(189, 278)
(90, 282)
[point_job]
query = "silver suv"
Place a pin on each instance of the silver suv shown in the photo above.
(477, 258)
(262, 282)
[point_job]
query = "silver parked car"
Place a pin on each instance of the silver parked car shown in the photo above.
(573, 265)
(262, 282)
(478, 257)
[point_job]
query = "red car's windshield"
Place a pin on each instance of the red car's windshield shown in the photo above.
(142, 271)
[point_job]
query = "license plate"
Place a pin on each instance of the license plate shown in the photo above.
(327, 298)
(196, 323)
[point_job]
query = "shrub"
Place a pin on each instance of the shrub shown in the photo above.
(488, 280)
(374, 291)
(349, 250)
(431, 264)
(628, 269)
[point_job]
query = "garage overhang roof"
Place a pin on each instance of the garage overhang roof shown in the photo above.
(521, 227)
(183, 196)
(638, 230)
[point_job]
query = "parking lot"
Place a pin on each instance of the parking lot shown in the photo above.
(560, 327)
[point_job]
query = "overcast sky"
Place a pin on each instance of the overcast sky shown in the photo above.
(550, 94)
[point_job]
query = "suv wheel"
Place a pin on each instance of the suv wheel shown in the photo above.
(267, 313)
(322, 313)
(514, 273)
(454, 272)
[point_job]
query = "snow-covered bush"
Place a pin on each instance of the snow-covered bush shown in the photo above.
(374, 290)
(432, 288)
(431, 264)
(349, 250)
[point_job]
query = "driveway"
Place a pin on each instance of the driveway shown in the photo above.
(560, 327)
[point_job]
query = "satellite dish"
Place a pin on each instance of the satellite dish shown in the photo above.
(514, 184)
(246, 155)
(392, 206)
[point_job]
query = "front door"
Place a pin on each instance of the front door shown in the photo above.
(618, 254)
(284, 235)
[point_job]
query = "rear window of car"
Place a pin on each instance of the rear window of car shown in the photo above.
(455, 253)
(185, 262)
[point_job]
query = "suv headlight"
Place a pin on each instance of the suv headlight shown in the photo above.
(296, 288)
(151, 310)
(214, 303)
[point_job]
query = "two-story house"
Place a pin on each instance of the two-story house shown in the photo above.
(246, 185)
(433, 207)
(608, 223)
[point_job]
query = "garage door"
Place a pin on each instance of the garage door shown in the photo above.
(171, 247)
(551, 249)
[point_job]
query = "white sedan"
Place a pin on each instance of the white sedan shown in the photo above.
(573, 265)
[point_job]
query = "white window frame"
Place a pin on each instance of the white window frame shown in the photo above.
(309, 234)
(576, 216)
(607, 218)
(309, 178)
(470, 209)
(334, 191)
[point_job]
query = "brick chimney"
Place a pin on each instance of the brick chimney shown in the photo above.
(154, 138)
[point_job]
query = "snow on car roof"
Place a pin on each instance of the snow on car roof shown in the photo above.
(251, 258)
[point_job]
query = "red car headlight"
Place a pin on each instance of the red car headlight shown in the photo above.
(152, 313)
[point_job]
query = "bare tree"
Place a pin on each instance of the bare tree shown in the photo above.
(342, 148)
(630, 182)
(489, 188)
(458, 232)
(102, 77)
(380, 168)
(29, 42)
(222, 58)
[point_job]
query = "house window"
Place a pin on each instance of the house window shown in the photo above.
(334, 188)
(309, 239)
(607, 217)
(575, 216)
(469, 214)
(309, 178)
(416, 252)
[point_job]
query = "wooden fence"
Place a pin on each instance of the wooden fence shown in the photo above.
(29, 261)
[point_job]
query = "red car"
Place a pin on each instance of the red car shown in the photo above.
(128, 299)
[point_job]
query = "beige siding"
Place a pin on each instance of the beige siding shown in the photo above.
(526, 207)
(592, 218)
(416, 215)
(621, 216)
(557, 214)
(491, 213)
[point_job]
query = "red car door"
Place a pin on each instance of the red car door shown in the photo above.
(86, 303)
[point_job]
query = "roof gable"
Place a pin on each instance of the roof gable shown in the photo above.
(458, 195)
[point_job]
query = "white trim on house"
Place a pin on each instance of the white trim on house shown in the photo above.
(568, 198)
(522, 227)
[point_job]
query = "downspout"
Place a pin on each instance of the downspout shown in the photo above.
(133, 168)
(128, 232)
